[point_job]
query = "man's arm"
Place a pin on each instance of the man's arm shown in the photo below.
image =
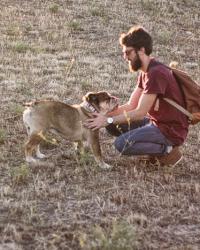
(145, 103)
(130, 105)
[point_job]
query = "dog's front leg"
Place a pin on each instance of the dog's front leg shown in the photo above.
(31, 145)
(93, 141)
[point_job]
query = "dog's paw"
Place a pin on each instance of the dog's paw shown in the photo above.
(105, 166)
(40, 155)
(31, 159)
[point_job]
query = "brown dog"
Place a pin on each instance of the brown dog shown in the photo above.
(67, 120)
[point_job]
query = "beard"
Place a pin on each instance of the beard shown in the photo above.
(135, 65)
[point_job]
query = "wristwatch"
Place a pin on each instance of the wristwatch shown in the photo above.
(109, 120)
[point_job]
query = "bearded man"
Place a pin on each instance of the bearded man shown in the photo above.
(147, 124)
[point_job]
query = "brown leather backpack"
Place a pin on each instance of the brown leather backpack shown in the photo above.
(191, 93)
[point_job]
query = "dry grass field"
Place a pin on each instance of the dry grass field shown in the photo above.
(62, 49)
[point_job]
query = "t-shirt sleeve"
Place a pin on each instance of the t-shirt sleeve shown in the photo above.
(155, 83)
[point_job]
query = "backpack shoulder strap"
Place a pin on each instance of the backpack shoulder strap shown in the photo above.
(179, 107)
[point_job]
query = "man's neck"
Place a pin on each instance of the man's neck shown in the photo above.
(145, 63)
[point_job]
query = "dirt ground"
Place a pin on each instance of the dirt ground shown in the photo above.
(62, 49)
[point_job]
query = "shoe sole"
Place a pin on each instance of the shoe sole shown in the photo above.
(176, 163)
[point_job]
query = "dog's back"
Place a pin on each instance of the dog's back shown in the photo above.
(47, 114)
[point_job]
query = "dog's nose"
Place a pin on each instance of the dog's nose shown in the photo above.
(114, 97)
(115, 100)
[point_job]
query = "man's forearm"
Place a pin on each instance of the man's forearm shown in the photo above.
(121, 109)
(129, 116)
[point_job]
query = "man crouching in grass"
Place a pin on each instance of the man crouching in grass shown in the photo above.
(147, 124)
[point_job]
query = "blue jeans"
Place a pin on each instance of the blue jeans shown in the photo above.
(139, 138)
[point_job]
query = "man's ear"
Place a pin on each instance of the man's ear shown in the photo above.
(141, 51)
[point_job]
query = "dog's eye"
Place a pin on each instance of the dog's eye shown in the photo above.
(93, 98)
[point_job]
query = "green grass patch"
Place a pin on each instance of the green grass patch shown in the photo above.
(54, 8)
(85, 159)
(21, 47)
(16, 109)
(164, 36)
(20, 174)
(149, 5)
(121, 236)
(3, 136)
(100, 12)
(74, 25)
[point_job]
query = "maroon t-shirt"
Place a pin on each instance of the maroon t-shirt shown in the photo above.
(160, 80)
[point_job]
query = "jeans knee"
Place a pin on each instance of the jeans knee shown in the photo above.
(120, 145)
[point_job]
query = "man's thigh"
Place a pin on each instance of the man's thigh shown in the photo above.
(144, 140)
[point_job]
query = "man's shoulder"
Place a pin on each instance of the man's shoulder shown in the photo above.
(156, 71)
(158, 68)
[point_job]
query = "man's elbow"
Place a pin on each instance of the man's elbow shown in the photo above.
(140, 114)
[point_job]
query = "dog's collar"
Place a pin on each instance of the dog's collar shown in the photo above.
(88, 107)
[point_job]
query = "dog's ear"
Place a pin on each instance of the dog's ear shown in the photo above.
(85, 97)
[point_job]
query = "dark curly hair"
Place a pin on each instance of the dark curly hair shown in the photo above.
(137, 37)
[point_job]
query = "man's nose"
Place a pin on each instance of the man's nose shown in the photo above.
(125, 56)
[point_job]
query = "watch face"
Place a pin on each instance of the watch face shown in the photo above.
(110, 120)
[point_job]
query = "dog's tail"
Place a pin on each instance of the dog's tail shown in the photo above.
(30, 104)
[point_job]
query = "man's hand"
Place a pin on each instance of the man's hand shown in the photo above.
(98, 121)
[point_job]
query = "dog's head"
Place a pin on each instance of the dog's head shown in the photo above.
(102, 101)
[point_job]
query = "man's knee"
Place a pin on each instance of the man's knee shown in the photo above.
(120, 144)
